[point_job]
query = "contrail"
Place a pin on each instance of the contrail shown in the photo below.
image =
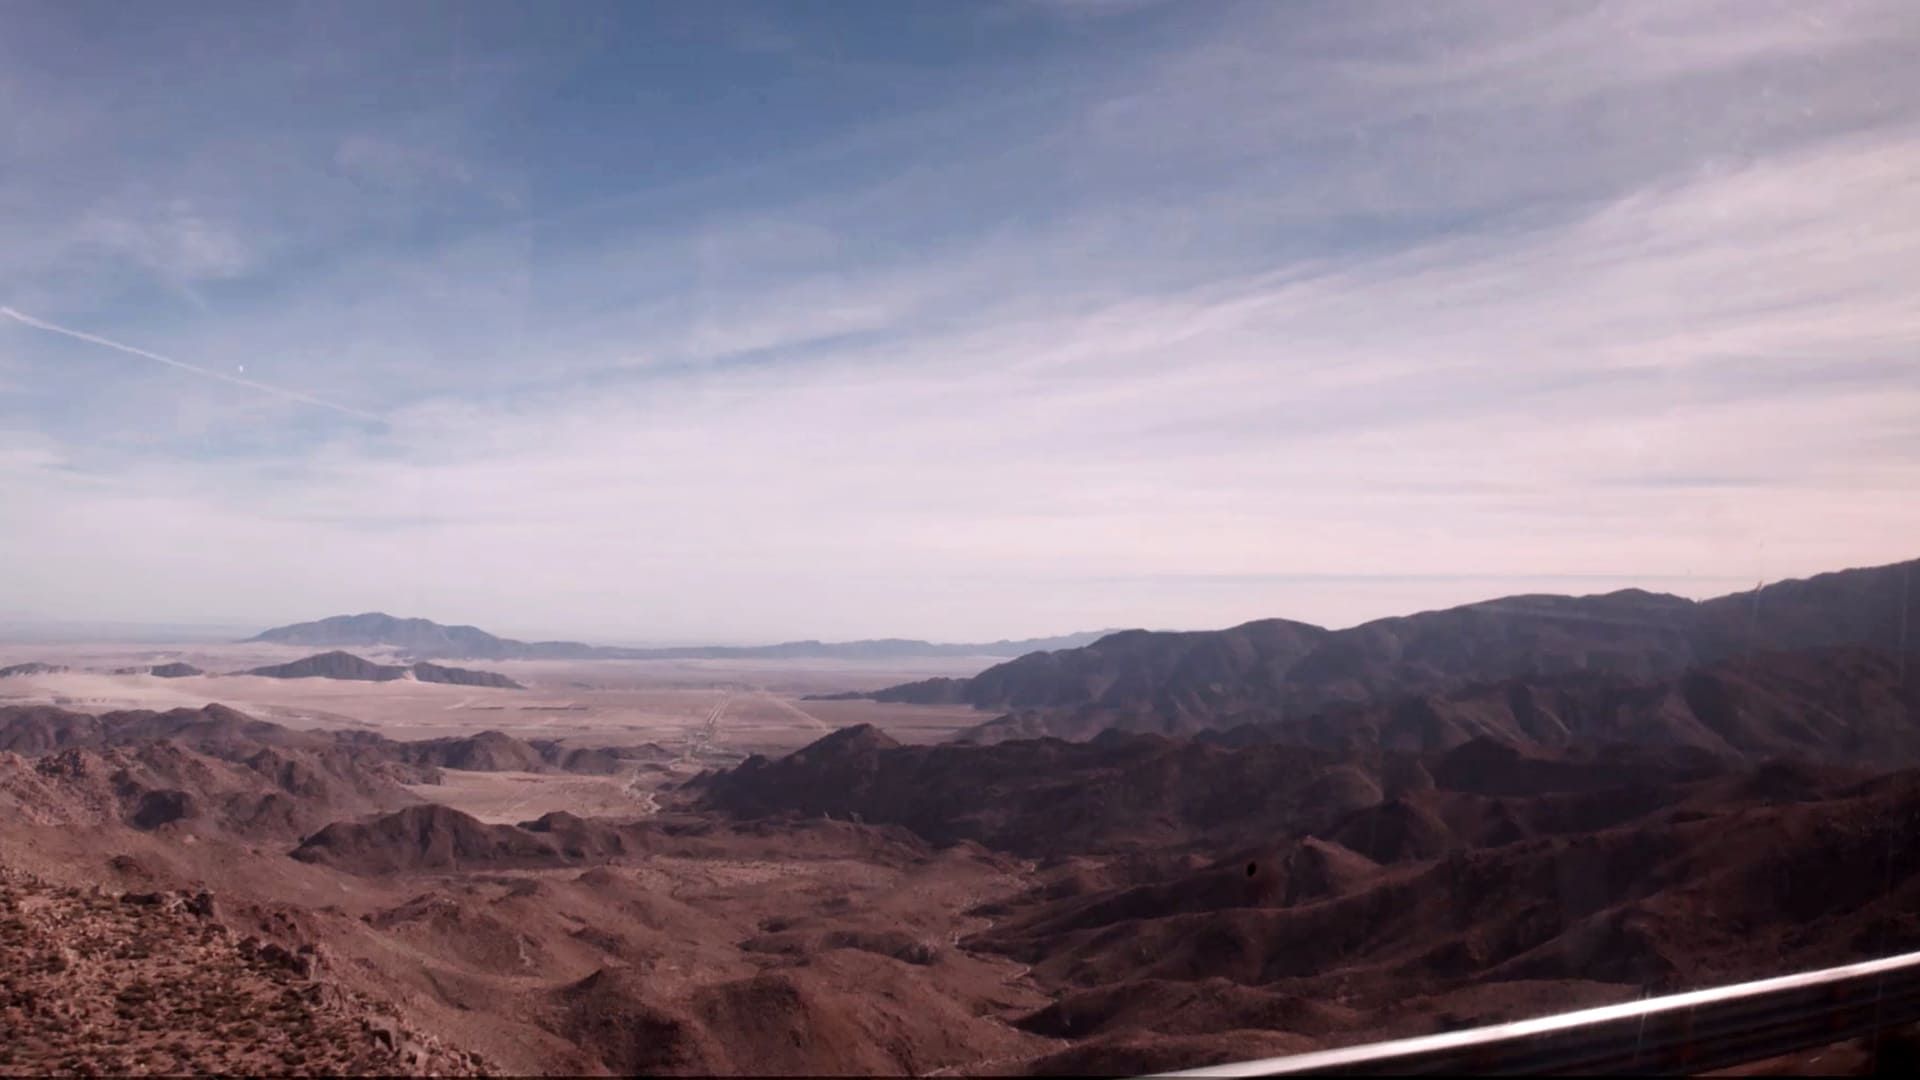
(277, 391)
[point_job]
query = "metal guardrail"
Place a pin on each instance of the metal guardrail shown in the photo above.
(1691, 1032)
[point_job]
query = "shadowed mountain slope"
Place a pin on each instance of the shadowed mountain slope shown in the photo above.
(424, 837)
(1837, 705)
(345, 665)
(174, 670)
(1279, 671)
(1134, 792)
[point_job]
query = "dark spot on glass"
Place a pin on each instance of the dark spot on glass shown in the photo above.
(1250, 869)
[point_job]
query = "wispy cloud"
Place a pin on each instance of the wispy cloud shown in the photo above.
(177, 243)
(1325, 312)
(181, 365)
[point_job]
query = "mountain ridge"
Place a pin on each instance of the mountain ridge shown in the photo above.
(344, 665)
(426, 639)
(1273, 669)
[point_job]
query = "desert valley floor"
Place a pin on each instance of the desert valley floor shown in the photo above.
(460, 953)
(750, 705)
(698, 713)
(1249, 842)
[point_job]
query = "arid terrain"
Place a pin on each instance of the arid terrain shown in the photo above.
(943, 538)
(744, 706)
(706, 867)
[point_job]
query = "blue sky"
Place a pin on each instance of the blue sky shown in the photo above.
(757, 321)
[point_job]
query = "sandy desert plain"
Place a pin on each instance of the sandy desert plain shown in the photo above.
(709, 713)
(484, 964)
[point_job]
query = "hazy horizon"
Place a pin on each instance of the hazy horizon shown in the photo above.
(753, 323)
(24, 628)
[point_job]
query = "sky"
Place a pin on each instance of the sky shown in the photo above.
(748, 322)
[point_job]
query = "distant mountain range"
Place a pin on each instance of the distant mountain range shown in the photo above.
(1275, 671)
(423, 638)
(174, 670)
(345, 665)
(32, 667)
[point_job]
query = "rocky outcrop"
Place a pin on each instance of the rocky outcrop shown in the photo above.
(345, 665)
(153, 982)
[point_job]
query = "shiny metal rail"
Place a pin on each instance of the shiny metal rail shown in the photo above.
(1680, 1033)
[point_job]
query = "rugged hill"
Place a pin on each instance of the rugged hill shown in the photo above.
(419, 637)
(1347, 899)
(1030, 906)
(39, 729)
(154, 982)
(161, 783)
(1877, 606)
(1275, 670)
(32, 667)
(1480, 932)
(1837, 705)
(1176, 683)
(189, 768)
(494, 751)
(1179, 672)
(424, 837)
(174, 670)
(867, 986)
(434, 673)
(489, 751)
(345, 665)
(331, 665)
(300, 759)
(329, 774)
(1189, 892)
(1048, 797)
(1631, 632)
(477, 933)
(426, 639)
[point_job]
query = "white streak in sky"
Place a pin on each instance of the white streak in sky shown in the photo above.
(277, 391)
